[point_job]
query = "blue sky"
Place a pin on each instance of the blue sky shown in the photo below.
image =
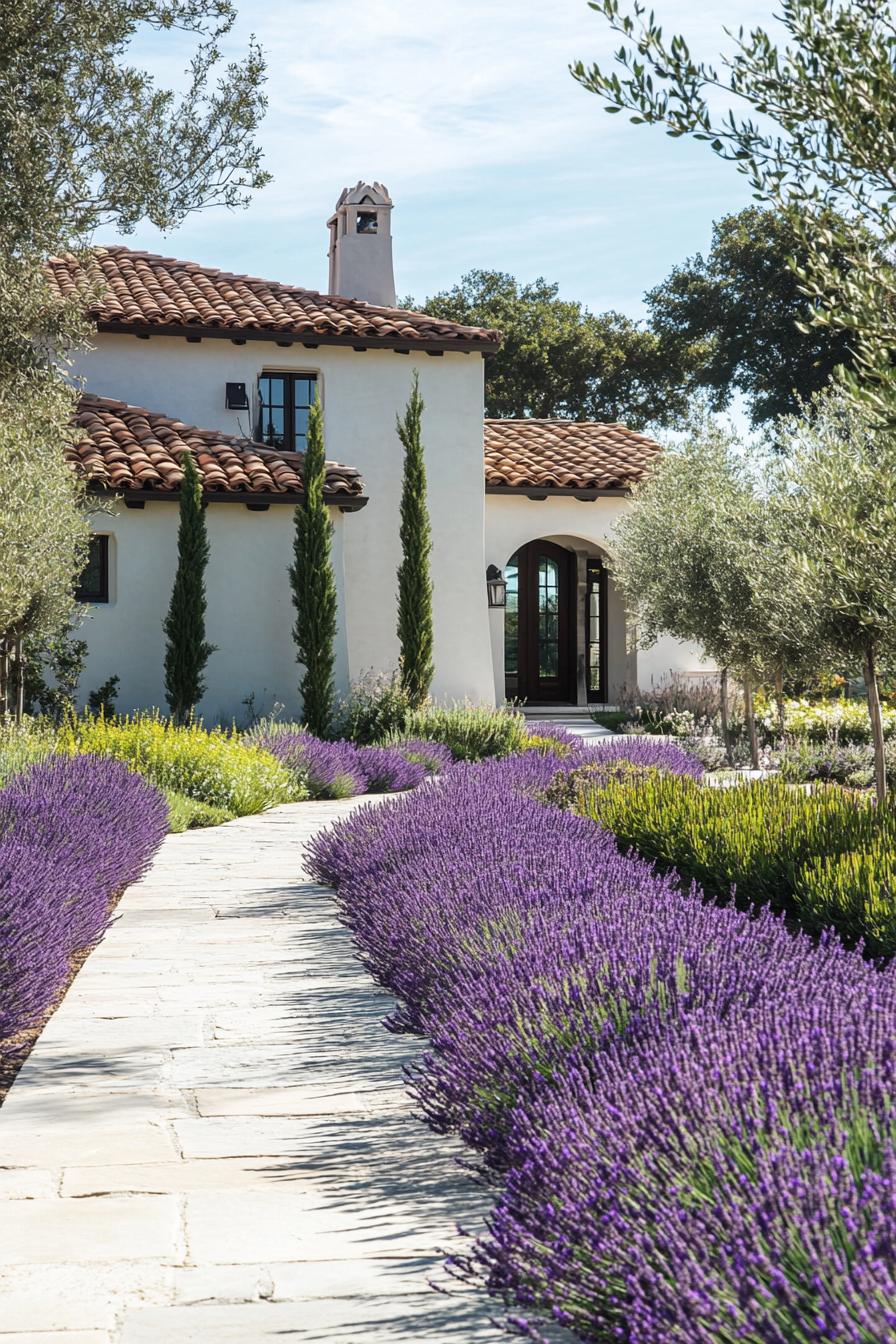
(494, 156)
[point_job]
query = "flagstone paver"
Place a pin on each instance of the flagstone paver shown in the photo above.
(212, 1142)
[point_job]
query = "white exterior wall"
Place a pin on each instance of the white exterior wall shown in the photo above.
(513, 520)
(250, 616)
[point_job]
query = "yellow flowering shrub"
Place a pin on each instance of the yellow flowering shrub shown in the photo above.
(213, 766)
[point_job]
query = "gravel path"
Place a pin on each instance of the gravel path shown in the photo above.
(211, 1140)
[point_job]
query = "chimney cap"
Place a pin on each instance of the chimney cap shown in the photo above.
(375, 191)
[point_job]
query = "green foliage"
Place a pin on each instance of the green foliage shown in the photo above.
(314, 585)
(415, 633)
(811, 122)
(187, 651)
(43, 528)
(471, 732)
(187, 814)
(87, 140)
(23, 744)
(771, 842)
(60, 653)
(614, 719)
(559, 360)
(838, 542)
(839, 488)
(376, 709)
(855, 892)
(214, 766)
(838, 721)
(699, 557)
(803, 762)
(738, 321)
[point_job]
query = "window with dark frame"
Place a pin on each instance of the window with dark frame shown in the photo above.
(284, 400)
(93, 585)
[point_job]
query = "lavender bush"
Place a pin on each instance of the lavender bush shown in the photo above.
(73, 833)
(690, 1110)
(389, 769)
(343, 770)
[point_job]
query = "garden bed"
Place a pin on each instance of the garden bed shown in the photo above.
(686, 1108)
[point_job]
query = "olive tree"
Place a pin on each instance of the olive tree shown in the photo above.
(697, 558)
(87, 139)
(807, 111)
(838, 498)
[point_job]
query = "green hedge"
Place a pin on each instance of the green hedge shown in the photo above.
(471, 732)
(827, 858)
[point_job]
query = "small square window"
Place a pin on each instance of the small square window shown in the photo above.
(93, 585)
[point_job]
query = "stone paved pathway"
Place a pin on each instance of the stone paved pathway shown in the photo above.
(211, 1141)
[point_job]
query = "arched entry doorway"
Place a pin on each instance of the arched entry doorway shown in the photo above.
(555, 626)
(555, 645)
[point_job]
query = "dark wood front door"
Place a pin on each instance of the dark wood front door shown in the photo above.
(538, 624)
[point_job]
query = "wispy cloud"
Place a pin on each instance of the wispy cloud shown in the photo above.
(466, 109)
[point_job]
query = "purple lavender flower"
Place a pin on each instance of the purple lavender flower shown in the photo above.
(328, 769)
(73, 833)
(435, 757)
(389, 769)
(690, 1109)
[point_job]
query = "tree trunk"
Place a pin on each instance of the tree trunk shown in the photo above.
(779, 699)
(4, 679)
(877, 726)
(20, 680)
(726, 726)
(751, 722)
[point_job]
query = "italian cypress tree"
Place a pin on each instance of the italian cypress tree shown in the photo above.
(314, 586)
(187, 651)
(414, 582)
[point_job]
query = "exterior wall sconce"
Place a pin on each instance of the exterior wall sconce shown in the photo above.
(497, 587)
(235, 397)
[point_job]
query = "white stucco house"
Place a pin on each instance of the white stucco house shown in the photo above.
(189, 357)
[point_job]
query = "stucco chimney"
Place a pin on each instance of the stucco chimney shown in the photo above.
(361, 245)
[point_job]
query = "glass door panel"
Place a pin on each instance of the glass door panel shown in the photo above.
(538, 659)
(595, 632)
(512, 629)
(548, 618)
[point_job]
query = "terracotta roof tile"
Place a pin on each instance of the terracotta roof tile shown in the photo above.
(565, 454)
(143, 290)
(127, 448)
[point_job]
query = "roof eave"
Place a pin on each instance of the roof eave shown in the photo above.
(456, 345)
(346, 503)
(545, 491)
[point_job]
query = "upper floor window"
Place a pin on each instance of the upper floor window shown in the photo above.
(93, 585)
(284, 400)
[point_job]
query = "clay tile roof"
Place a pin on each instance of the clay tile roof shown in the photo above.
(124, 447)
(565, 454)
(141, 290)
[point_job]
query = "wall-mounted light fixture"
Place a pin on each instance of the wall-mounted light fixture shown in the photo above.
(497, 587)
(235, 398)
